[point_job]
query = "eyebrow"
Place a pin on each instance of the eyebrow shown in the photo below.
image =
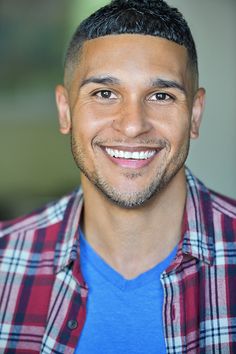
(100, 80)
(163, 83)
(111, 80)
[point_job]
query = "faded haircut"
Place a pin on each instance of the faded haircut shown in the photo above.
(147, 17)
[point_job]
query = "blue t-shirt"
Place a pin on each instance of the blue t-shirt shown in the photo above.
(123, 316)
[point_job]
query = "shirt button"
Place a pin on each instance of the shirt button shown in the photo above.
(72, 324)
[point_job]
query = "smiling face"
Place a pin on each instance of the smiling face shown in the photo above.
(131, 110)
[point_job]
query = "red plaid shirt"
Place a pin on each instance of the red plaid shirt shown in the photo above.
(43, 295)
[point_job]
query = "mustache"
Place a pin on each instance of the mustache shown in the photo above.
(148, 142)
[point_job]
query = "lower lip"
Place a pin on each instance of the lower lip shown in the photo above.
(131, 163)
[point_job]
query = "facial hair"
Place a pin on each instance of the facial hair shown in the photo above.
(164, 174)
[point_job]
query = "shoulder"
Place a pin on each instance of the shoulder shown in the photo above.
(224, 220)
(212, 213)
(222, 214)
(46, 217)
(223, 205)
(42, 241)
(208, 200)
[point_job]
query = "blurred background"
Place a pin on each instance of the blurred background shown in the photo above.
(35, 160)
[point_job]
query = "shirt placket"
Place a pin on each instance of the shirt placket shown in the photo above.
(67, 313)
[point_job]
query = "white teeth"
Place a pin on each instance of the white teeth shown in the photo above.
(136, 155)
(142, 155)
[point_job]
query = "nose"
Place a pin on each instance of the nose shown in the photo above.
(133, 119)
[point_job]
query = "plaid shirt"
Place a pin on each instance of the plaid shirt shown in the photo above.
(43, 295)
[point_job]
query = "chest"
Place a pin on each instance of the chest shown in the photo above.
(200, 308)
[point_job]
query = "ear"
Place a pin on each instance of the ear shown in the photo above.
(62, 102)
(197, 112)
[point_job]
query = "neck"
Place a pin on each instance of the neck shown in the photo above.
(134, 240)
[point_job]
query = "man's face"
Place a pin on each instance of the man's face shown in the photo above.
(131, 112)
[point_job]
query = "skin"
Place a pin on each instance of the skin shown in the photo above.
(132, 93)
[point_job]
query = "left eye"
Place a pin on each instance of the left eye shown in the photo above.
(160, 96)
(105, 94)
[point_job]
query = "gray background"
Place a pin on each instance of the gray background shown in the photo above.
(213, 155)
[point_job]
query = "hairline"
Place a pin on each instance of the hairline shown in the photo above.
(70, 64)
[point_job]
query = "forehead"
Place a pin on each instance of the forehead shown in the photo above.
(132, 56)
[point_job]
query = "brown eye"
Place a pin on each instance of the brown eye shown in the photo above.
(160, 96)
(105, 94)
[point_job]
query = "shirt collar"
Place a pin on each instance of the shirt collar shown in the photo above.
(198, 227)
(67, 240)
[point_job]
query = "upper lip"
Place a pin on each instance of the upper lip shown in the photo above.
(132, 148)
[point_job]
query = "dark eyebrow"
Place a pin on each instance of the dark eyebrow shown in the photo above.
(111, 80)
(162, 83)
(100, 80)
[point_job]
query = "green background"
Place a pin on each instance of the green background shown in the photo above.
(35, 160)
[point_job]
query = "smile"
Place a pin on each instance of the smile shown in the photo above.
(131, 155)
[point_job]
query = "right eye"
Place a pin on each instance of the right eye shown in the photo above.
(105, 95)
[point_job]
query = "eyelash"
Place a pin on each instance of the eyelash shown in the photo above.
(167, 96)
(96, 94)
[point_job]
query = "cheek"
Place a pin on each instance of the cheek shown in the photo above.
(175, 127)
(89, 119)
(182, 136)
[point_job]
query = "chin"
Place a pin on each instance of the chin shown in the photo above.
(129, 200)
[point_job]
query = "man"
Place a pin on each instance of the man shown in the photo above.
(142, 258)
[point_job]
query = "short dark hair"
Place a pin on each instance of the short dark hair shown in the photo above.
(148, 17)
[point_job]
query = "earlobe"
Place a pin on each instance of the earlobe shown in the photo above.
(62, 102)
(197, 112)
